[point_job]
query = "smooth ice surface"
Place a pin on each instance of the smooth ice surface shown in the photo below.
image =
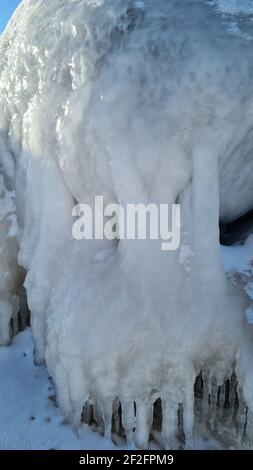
(138, 102)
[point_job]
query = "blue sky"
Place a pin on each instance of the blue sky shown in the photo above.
(6, 9)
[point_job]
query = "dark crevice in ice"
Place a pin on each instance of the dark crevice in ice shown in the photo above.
(236, 231)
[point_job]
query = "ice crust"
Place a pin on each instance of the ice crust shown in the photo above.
(138, 102)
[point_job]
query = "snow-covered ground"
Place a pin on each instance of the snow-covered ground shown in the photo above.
(29, 416)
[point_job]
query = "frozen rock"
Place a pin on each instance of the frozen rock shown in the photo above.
(137, 102)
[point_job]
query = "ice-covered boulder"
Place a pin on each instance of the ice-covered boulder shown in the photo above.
(137, 101)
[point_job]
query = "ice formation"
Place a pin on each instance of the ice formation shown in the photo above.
(138, 101)
(11, 277)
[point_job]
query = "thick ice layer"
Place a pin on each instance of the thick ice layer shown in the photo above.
(10, 273)
(138, 101)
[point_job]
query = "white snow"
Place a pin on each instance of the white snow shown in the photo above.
(138, 102)
(29, 417)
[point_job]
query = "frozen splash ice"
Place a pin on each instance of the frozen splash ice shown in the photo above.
(138, 102)
(10, 273)
(233, 7)
(237, 16)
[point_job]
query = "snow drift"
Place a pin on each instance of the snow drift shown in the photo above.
(138, 101)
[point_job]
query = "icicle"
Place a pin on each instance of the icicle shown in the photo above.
(213, 404)
(144, 418)
(78, 393)
(205, 402)
(5, 318)
(128, 418)
(188, 406)
(97, 414)
(107, 409)
(63, 397)
(170, 422)
(188, 418)
(38, 323)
